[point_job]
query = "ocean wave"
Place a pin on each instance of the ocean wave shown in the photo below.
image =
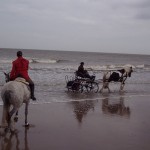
(5, 61)
(140, 66)
(66, 65)
(46, 61)
(34, 60)
(92, 68)
(116, 67)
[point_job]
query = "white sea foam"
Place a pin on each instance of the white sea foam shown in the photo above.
(46, 61)
(5, 61)
(140, 66)
(70, 67)
(95, 99)
(93, 68)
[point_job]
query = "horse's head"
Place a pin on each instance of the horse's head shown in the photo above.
(7, 76)
(128, 70)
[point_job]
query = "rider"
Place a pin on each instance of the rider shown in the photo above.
(83, 73)
(20, 68)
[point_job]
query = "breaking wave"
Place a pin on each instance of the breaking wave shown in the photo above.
(35, 60)
(46, 61)
(59, 67)
(67, 65)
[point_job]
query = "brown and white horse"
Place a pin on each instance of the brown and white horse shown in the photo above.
(115, 76)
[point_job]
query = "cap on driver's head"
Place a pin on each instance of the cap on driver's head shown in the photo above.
(19, 53)
(82, 63)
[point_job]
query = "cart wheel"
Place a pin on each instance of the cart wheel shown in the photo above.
(84, 88)
(93, 87)
(75, 86)
(81, 89)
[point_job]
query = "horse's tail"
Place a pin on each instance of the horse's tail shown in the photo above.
(6, 107)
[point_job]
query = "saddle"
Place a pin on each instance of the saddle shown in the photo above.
(19, 79)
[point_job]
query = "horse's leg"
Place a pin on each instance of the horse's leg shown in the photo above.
(108, 88)
(101, 90)
(16, 117)
(5, 115)
(8, 118)
(10, 125)
(104, 83)
(123, 84)
(26, 114)
(103, 86)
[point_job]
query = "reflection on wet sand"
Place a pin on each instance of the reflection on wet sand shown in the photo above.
(117, 108)
(8, 142)
(11, 141)
(82, 108)
(26, 139)
(109, 106)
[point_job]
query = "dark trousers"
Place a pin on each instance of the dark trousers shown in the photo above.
(31, 85)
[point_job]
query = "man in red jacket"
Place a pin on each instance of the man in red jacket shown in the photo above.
(20, 68)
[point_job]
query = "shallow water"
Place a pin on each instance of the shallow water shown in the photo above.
(49, 69)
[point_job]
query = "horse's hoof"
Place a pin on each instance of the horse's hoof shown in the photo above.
(27, 125)
(7, 129)
(15, 119)
(14, 131)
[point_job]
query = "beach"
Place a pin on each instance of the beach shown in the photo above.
(83, 125)
(67, 120)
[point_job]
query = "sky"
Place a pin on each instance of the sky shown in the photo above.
(111, 26)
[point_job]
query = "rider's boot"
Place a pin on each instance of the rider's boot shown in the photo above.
(32, 92)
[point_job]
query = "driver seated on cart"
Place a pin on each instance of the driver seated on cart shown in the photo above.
(81, 72)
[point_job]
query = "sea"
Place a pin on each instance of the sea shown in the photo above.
(50, 68)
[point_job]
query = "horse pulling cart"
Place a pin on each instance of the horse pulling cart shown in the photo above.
(80, 84)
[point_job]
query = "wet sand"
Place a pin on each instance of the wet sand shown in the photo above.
(108, 124)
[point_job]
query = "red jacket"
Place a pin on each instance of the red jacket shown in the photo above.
(20, 68)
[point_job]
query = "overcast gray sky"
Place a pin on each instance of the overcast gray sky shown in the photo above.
(116, 26)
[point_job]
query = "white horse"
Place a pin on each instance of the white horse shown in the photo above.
(14, 94)
(115, 77)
